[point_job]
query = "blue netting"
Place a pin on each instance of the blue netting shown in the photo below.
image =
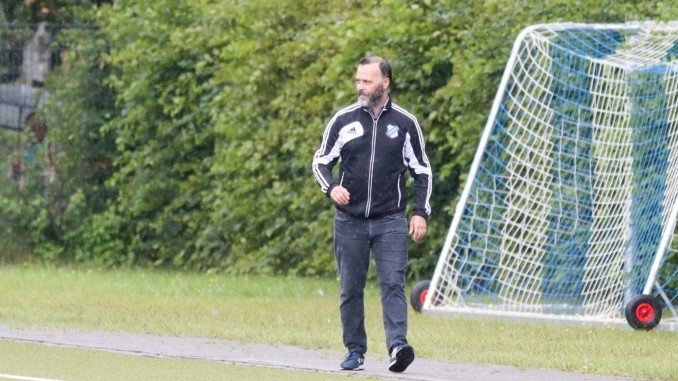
(571, 227)
(649, 115)
(570, 199)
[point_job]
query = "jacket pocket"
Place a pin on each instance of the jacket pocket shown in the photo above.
(396, 216)
(341, 216)
(400, 195)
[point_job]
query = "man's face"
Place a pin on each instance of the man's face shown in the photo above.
(370, 85)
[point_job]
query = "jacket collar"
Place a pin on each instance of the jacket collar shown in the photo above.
(387, 106)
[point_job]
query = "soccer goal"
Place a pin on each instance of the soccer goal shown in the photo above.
(570, 207)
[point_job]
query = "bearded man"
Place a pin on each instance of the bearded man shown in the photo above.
(376, 143)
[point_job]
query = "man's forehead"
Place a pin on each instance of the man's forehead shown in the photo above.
(369, 69)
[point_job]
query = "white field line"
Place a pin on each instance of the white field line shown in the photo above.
(15, 377)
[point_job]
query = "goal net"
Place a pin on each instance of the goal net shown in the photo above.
(571, 202)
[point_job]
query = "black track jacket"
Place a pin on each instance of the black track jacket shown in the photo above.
(375, 151)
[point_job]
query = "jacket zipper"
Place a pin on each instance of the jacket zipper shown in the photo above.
(371, 172)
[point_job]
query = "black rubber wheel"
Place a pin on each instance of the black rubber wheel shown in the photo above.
(643, 312)
(418, 294)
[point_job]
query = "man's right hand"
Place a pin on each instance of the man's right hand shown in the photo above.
(340, 195)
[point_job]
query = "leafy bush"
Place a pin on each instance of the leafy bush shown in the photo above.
(205, 116)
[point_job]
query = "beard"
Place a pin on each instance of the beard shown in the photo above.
(372, 98)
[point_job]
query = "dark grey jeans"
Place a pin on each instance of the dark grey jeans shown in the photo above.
(387, 237)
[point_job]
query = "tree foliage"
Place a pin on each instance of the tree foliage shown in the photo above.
(206, 114)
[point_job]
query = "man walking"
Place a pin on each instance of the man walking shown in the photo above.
(376, 141)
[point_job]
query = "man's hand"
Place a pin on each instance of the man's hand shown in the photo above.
(340, 195)
(417, 228)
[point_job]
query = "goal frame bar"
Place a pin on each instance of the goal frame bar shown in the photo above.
(485, 137)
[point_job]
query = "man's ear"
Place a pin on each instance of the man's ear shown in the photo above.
(387, 83)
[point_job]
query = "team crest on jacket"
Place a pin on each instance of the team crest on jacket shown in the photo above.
(392, 131)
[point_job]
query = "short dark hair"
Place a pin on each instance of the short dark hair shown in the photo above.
(384, 66)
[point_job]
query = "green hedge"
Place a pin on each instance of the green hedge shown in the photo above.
(207, 114)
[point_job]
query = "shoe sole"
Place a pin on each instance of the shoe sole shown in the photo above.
(360, 367)
(404, 358)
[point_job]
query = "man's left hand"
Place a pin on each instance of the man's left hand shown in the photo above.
(417, 228)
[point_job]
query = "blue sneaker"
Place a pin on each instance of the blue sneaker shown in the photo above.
(401, 357)
(353, 361)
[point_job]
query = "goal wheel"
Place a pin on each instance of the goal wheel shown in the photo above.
(418, 294)
(643, 312)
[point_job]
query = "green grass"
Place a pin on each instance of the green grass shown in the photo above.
(34, 360)
(305, 312)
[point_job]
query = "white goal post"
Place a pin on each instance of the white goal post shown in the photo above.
(570, 206)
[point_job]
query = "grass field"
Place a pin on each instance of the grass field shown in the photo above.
(46, 362)
(304, 312)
